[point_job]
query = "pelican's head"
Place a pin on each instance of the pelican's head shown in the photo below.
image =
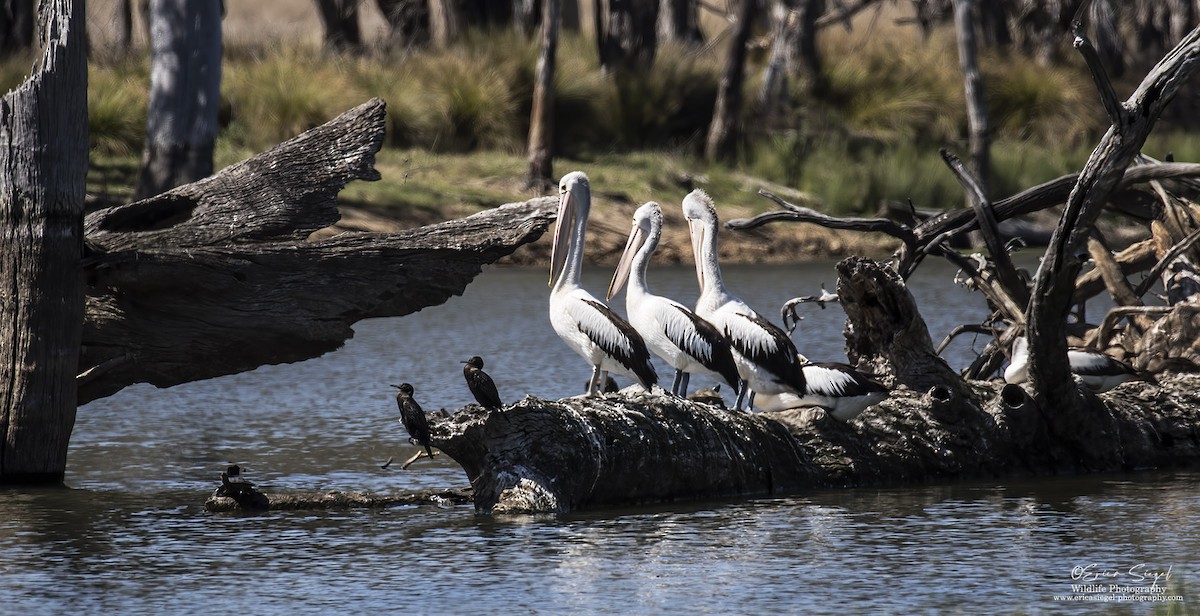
(574, 199)
(647, 223)
(701, 215)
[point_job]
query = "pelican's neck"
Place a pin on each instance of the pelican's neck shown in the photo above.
(714, 292)
(1018, 364)
(637, 284)
(573, 268)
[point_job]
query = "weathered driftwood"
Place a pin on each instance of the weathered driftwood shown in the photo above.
(220, 276)
(342, 500)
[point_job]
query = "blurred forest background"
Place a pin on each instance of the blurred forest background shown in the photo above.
(845, 102)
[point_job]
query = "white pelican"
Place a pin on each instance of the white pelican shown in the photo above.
(1099, 372)
(674, 333)
(585, 323)
(766, 358)
(838, 388)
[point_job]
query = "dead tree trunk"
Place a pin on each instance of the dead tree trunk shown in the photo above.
(541, 117)
(185, 93)
(723, 131)
(43, 150)
(979, 131)
(1054, 285)
(261, 291)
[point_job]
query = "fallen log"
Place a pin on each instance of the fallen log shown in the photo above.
(621, 450)
(628, 449)
(224, 275)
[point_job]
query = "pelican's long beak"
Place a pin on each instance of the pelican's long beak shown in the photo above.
(632, 246)
(696, 229)
(562, 236)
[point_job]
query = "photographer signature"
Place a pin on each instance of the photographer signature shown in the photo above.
(1136, 573)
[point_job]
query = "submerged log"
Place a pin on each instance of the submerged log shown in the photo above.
(222, 276)
(341, 500)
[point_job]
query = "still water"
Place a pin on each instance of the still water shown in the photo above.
(130, 535)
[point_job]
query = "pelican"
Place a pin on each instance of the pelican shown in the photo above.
(586, 324)
(674, 333)
(1099, 372)
(413, 416)
(765, 356)
(838, 388)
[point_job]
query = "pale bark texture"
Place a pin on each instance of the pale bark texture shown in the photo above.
(43, 152)
(541, 117)
(185, 94)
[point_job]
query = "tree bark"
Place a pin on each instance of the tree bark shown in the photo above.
(541, 117)
(43, 150)
(185, 94)
(339, 23)
(124, 25)
(260, 290)
(723, 132)
(16, 27)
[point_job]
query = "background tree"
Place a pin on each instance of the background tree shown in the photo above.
(408, 22)
(339, 18)
(723, 131)
(626, 33)
(185, 94)
(978, 125)
(527, 15)
(541, 118)
(43, 151)
(16, 27)
(678, 20)
(445, 21)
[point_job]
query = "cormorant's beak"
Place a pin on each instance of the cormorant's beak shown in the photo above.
(632, 246)
(562, 236)
(696, 229)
